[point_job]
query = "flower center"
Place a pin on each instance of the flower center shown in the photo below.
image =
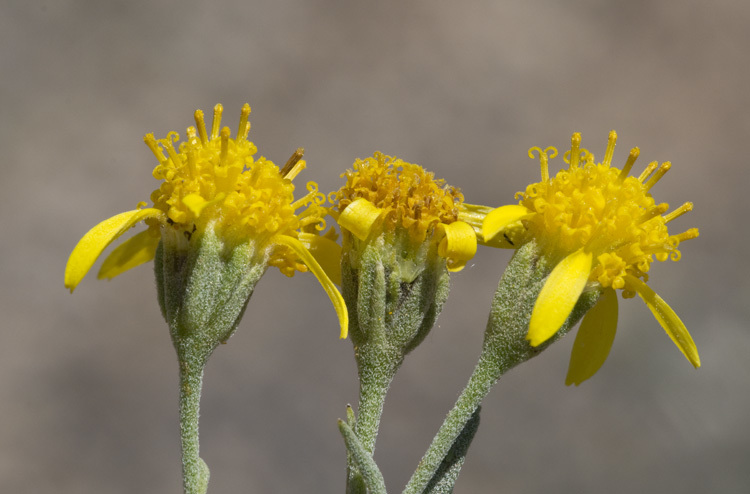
(599, 208)
(410, 196)
(213, 177)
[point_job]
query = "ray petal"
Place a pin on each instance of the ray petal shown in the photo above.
(135, 251)
(499, 219)
(668, 319)
(459, 244)
(359, 217)
(338, 301)
(594, 339)
(326, 252)
(558, 296)
(91, 245)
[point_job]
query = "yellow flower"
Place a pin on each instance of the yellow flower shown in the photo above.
(212, 181)
(601, 229)
(384, 194)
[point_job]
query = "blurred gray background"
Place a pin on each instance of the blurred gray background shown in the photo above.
(88, 382)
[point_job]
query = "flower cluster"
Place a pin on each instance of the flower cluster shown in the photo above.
(213, 180)
(601, 229)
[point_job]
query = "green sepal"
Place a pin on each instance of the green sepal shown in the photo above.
(393, 289)
(505, 344)
(370, 473)
(204, 286)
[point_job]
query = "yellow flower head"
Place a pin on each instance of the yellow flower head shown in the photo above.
(213, 179)
(384, 194)
(601, 228)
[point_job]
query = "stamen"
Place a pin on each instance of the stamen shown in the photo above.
(192, 167)
(688, 206)
(543, 159)
(167, 143)
(192, 134)
(244, 127)
(610, 148)
(687, 235)
(653, 212)
(218, 109)
(629, 163)
(224, 143)
(294, 165)
(648, 171)
(664, 168)
(154, 147)
(306, 199)
(575, 152)
(200, 122)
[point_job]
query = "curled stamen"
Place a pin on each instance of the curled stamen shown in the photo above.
(167, 143)
(663, 169)
(244, 126)
(688, 206)
(648, 171)
(306, 199)
(543, 159)
(154, 147)
(218, 109)
(200, 122)
(575, 151)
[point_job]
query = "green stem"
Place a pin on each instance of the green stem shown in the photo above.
(194, 470)
(504, 347)
(376, 372)
(485, 374)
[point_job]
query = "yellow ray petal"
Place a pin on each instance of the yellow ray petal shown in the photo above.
(359, 217)
(325, 281)
(133, 252)
(594, 339)
(474, 215)
(196, 203)
(455, 265)
(501, 218)
(90, 247)
(668, 320)
(459, 244)
(326, 252)
(558, 296)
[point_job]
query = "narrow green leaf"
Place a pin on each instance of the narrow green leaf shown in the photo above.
(370, 473)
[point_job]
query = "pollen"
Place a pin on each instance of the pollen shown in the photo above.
(213, 177)
(604, 211)
(410, 197)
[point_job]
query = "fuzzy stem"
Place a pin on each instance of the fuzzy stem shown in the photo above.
(194, 470)
(376, 372)
(480, 383)
(505, 346)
